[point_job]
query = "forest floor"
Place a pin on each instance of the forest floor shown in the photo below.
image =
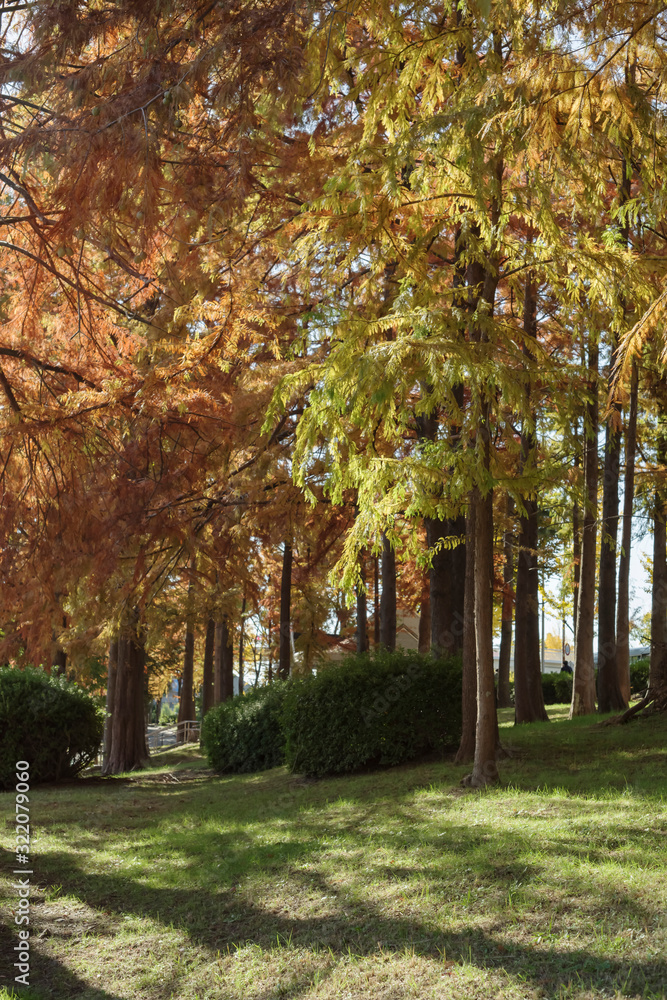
(390, 885)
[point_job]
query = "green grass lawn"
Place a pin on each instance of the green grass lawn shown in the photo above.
(391, 885)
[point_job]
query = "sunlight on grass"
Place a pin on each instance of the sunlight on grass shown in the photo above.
(395, 884)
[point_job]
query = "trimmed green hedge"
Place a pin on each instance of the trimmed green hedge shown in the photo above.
(639, 671)
(557, 688)
(370, 711)
(244, 733)
(48, 722)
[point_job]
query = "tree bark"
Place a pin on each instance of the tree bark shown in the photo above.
(112, 669)
(376, 601)
(658, 668)
(207, 685)
(425, 617)
(388, 598)
(241, 651)
(576, 554)
(623, 610)
(583, 686)
(186, 704)
(128, 750)
(60, 656)
(223, 663)
(362, 618)
(485, 770)
(466, 751)
(505, 652)
(610, 698)
(284, 654)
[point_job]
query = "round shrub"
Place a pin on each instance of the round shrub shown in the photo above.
(372, 710)
(48, 721)
(639, 671)
(244, 733)
(557, 688)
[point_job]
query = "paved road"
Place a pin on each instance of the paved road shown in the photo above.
(161, 736)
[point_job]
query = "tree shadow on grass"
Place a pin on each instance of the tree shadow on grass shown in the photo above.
(49, 977)
(216, 916)
(220, 919)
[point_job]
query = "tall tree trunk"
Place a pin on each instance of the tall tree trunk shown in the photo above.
(505, 652)
(583, 686)
(186, 705)
(223, 662)
(466, 751)
(485, 770)
(241, 651)
(658, 667)
(362, 622)
(227, 659)
(207, 701)
(128, 750)
(425, 617)
(388, 599)
(610, 698)
(59, 655)
(285, 652)
(484, 279)
(448, 565)
(376, 601)
(112, 669)
(576, 552)
(623, 610)
(657, 680)
(528, 694)
(447, 583)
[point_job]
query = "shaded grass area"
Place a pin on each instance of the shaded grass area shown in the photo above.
(396, 884)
